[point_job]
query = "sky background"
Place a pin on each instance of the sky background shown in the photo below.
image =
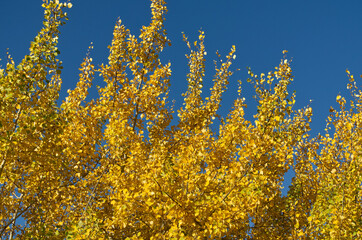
(323, 39)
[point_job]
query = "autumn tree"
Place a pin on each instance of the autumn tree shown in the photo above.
(115, 167)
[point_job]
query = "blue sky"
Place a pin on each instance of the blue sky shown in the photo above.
(323, 39)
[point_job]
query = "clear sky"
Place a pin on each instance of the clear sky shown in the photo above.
(323, 38)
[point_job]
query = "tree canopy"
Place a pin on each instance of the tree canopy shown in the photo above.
(116, 167)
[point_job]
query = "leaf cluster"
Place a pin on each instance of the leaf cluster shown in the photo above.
(116, 168)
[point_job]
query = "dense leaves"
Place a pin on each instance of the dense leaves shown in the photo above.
(115, 168)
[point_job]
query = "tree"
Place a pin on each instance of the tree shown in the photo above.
(115, 168)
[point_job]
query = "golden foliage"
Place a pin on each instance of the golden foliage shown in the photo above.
(115, 168)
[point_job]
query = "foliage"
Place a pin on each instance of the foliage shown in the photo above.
(115, 168)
